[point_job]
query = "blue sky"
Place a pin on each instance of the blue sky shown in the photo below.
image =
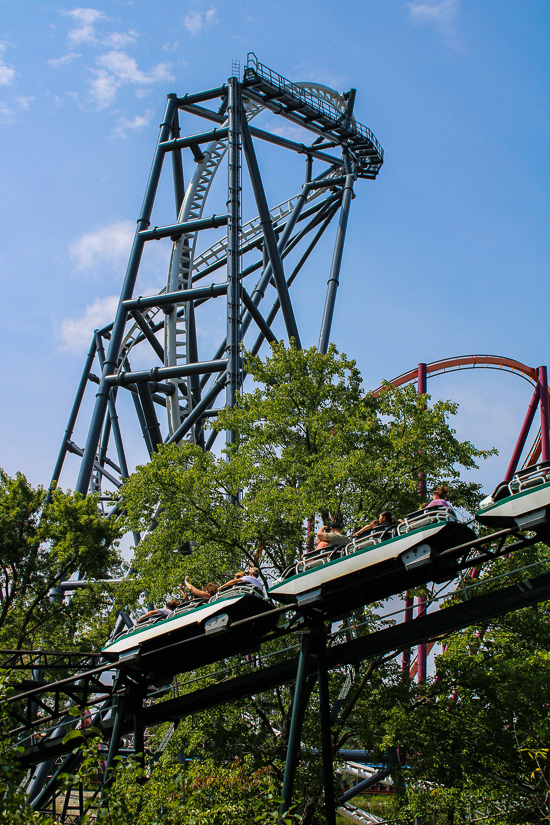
(447, 251)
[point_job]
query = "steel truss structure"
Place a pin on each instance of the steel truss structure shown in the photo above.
(127, 701)
(183, 389)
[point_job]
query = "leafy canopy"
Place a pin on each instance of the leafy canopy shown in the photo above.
(41, 546)
(310, 443)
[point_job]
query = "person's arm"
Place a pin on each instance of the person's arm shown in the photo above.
(366, 528)
(147, 615)
(233, 581)
(200, 594)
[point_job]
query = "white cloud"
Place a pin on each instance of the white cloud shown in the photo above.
(60, 61)
(85, 19)
(103, 88)
(6, 113)
(291, 132)
(125, 68)
(118, 68)
(195, 20)
(117, 40)
(24, 101)
(135, 125)
(105, 245)
(441, 14)
(76, 333)
(171, 47)
(7, 72)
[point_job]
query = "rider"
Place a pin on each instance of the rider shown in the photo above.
(438, 498)
(384, 521)
(251, 577)
(161, 612)
(330, 536)
(206, 592)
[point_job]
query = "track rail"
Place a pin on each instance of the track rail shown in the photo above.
(464, 362)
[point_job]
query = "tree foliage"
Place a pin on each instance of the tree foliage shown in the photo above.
(41, 546)
(310, 444)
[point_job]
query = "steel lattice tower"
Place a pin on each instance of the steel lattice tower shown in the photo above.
(182, 390)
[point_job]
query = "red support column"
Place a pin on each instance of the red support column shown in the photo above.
(422, 390)
(406, 661)
(545, 438)
(422, 649)
(524, 432)
(421, 604)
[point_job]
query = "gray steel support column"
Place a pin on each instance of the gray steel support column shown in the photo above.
(115, 737)
(72, 418)
(269, 235)
(326, 739)
(117, 334)
(117, 435)
(177, 166)
(142, 423)
(333, 281)
(151, 421)
(296, 721)
(234, 327)
(193, 357)
(206, 401)
(113, 416)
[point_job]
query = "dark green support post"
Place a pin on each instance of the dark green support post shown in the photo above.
(296, 722)
(326, 738)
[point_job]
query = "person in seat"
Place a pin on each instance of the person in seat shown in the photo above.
(206, 592)
(438, 498)
(161, 612)
(251, 577)
(329, 536)
(380, 524)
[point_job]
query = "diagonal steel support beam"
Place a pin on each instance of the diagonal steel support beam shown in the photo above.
(117, 334)
(147, 331)
(269, 236)
(333, 281)
(234, 288)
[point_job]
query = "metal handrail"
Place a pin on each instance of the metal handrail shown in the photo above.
(253, 66)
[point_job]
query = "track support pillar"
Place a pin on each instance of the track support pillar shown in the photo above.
(296, 723)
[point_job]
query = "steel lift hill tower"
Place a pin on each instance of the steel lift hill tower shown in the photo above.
(183, 390)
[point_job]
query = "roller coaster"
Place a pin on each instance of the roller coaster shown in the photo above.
(131, 686)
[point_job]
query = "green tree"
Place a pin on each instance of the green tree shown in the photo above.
(41, 546)
(310, 443)
(475, 738)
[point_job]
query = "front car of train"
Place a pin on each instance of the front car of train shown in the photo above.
(522, 502)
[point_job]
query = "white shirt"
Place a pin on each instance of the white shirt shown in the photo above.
(254, 580)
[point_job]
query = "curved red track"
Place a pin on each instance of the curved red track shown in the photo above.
(460, 362)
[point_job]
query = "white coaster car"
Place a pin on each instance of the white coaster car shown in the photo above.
(196, 633)
(522, 502)
(385, 561)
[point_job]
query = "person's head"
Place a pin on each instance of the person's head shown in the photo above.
(441, 492)
(172, 604)
(335, 525)
(253, 571)
(211, 589)
(240, 574)
(385, 516)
